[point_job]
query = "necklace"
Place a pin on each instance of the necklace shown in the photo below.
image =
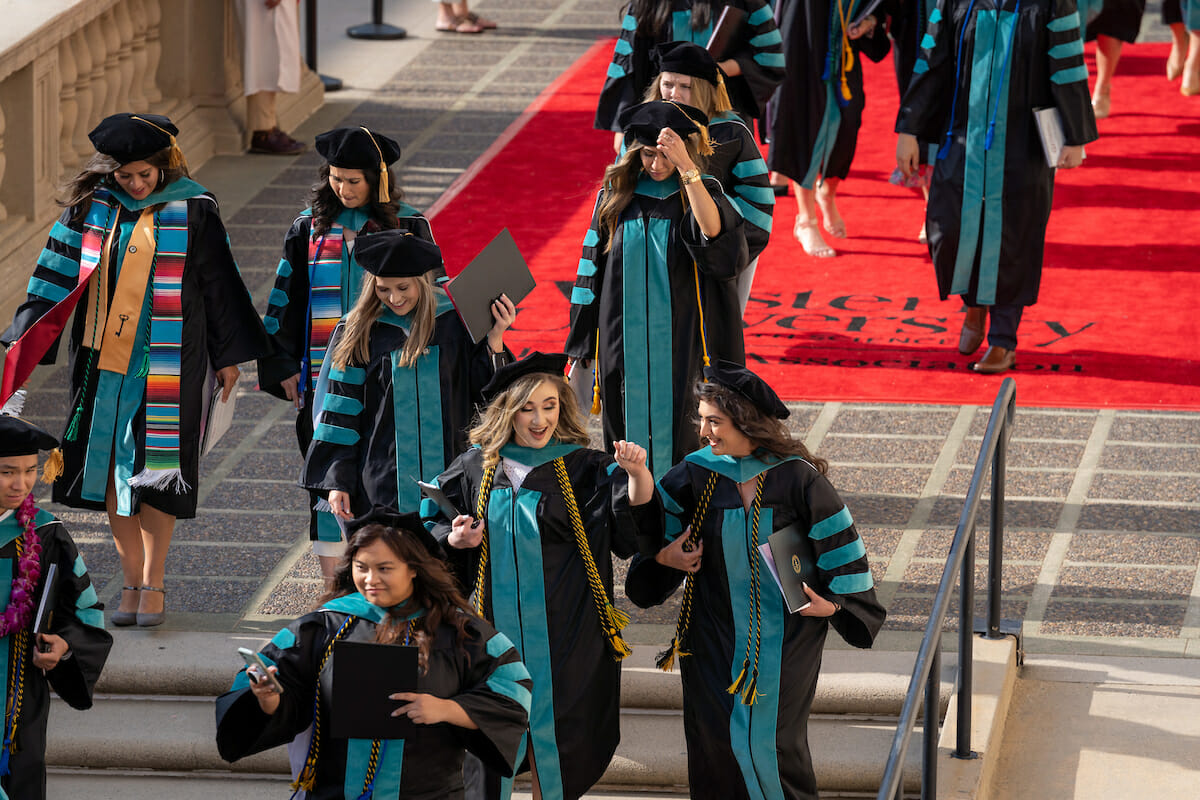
(29, 570)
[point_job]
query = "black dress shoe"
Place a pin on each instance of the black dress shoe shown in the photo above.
(971, 335)
(995, 361)
(275, 143)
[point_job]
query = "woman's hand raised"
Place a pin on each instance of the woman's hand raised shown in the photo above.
(505, 314)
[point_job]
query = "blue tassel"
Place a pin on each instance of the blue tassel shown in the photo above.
(991, 134)
(4, 757)
(944, 150)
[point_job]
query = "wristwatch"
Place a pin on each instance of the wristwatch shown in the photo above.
(691, 176)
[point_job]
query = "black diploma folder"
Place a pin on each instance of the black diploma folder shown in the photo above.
(45, 611)
(795, 565)
(365, 674)
(435, 494)
(498, 269)
(725, 32)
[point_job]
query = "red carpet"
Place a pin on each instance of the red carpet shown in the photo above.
(1116, 325)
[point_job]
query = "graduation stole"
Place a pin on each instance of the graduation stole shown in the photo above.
(325, 279)
(612, 620)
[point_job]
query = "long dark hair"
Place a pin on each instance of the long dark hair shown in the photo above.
(434, 589)
(764, 432)
(654, 16)
(98, 171)
(326, 205)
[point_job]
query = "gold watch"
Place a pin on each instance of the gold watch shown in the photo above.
(691, 176)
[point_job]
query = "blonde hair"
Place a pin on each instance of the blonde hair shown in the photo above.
(354, 346)
(621, 178)
(710, 99)
(494, 429)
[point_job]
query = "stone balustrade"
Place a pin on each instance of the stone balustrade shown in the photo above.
(66, 64)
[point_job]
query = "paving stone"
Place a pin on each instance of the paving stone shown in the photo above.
(256, 235)
(1018, 545)
(880, 542)
(1152, 428)
(1017, 513)
(203, 595)
(873, 450)
(1017, 483)
(1029, 424)
(223, 561)
(869, 509)
(100, 557)
(923, 577)
(1131, 583)
(1151, 458)
(1126, 620)
(908, 613)
(292, 598)
(1024, 453)
(893, 480)
(1138, 517)
(915, 420)
(1129, 548)
(1147, 487)
(261, 528)
(241, 495)
(273, 466)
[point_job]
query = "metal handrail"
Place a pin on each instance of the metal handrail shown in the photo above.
(960, 562)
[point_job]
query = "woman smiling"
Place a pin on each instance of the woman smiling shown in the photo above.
(543, 516)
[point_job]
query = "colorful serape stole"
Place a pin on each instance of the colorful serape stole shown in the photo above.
(325, 296)
(162, 469)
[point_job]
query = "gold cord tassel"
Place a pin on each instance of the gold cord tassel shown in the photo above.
(740, 681)
(54, 466)
(750, 695)
(385, 190)
(596, 377)
(666, 659)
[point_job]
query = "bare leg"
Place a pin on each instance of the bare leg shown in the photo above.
(157, 528)
(1179, 49)
(1108, 53)
(805, 229)
(1191, 67)
(329, 565)
(835, 226)
(127, 536)
(923, 237)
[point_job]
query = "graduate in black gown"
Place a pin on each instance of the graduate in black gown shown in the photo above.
(68, 658)
(985, 66)
(753, 64)
(689, 75)
(659, 231)
(472, 690)
(542, 517)
(398, 390)
(749, 667)
(814, 118)
(164, 308)
(318, 279)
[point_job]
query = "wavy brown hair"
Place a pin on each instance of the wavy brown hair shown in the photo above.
(326, 205)
(354, 345)
(98, 171)
(434, 590)
(494, 428)
(764, 431)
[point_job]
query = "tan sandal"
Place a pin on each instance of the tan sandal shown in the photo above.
(462, 24)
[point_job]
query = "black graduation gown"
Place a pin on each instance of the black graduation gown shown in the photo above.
(738, 164)
(78, 618)
(486, 677)
(537, 592)
(220, 328)
(732, 745)
(812, 133)
(289, 322)
(371, 440)
(758, 53)
(640, 297)
(988, 208)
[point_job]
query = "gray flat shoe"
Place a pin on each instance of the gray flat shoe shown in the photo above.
(150, 619)
(123, 619)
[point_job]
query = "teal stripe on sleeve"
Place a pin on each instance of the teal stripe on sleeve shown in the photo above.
(587, 268)
(1064, 23)
(581, 296)
(356, 375)
(629, 23)
(61, 233)
(271, 324)
(616, 71)
(284, 639)
(831, 525)
(50, 291)
(90, 616)
(935, 16)
(767, 39)
(1070, 75)
(338, 404)
(756, 194)
(87, 598)
(334, 434)
(623, 47)
(591, 239)
(1067, 50)
(78, 568)
(498, 645)
(921, 66)
(770, 59)
(277, 298)
(851, 584)
(760, 16)
(746, 169)
(753, 215)
(841, 556)
(928, 42)
(504, 682)
(59, 263)
(284, 270)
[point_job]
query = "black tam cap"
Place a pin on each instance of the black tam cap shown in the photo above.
(532, 364)
(748, 385)
(396, 254)
(357, 148)
(21, 438)
(685, 58)
(133, 137)
(405, 523)
(643, 123)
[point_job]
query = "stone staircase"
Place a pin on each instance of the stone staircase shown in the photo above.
(150, 733)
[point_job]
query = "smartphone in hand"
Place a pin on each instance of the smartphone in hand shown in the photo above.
(255, 662)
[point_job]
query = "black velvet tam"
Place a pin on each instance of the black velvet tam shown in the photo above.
(21, 438)
(748, 385)
(643, 123)
(133, 137)
(396, 254)
(685, 58)
(357, 148)
(535, 362)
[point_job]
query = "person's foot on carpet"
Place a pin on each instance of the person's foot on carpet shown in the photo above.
(1175, 62)
(995, 361)
(275, 143)
(835, 226)
(1102, 105)
(923, 236)
(809, 237)
(462, 24)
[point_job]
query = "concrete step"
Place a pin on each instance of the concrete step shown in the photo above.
(145, 734)
(116, 784)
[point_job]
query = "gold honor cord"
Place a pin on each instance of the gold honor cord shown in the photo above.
(485, 489)
(308, 774)
(372, 768)
(847, 53)
(666, 659)
(746, 683)
(611, 619)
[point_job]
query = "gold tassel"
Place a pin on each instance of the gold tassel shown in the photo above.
(385, 190)
(54, 466)
(619, 618)
(739, 681)
(618, 646)
(666, 659)
(845, 87)
(596, 378)
(750, 695)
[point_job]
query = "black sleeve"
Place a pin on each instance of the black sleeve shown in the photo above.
(1068, 74)
(585, 295)
(54, 277)
(760, 58)
(79, 619)
(926, 102)
(722, 256)
(287, 318)
(496, 695)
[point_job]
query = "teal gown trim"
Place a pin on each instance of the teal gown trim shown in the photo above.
(537, 456)
(737, 469)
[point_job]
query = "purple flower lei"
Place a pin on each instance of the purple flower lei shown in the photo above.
(29, 570)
